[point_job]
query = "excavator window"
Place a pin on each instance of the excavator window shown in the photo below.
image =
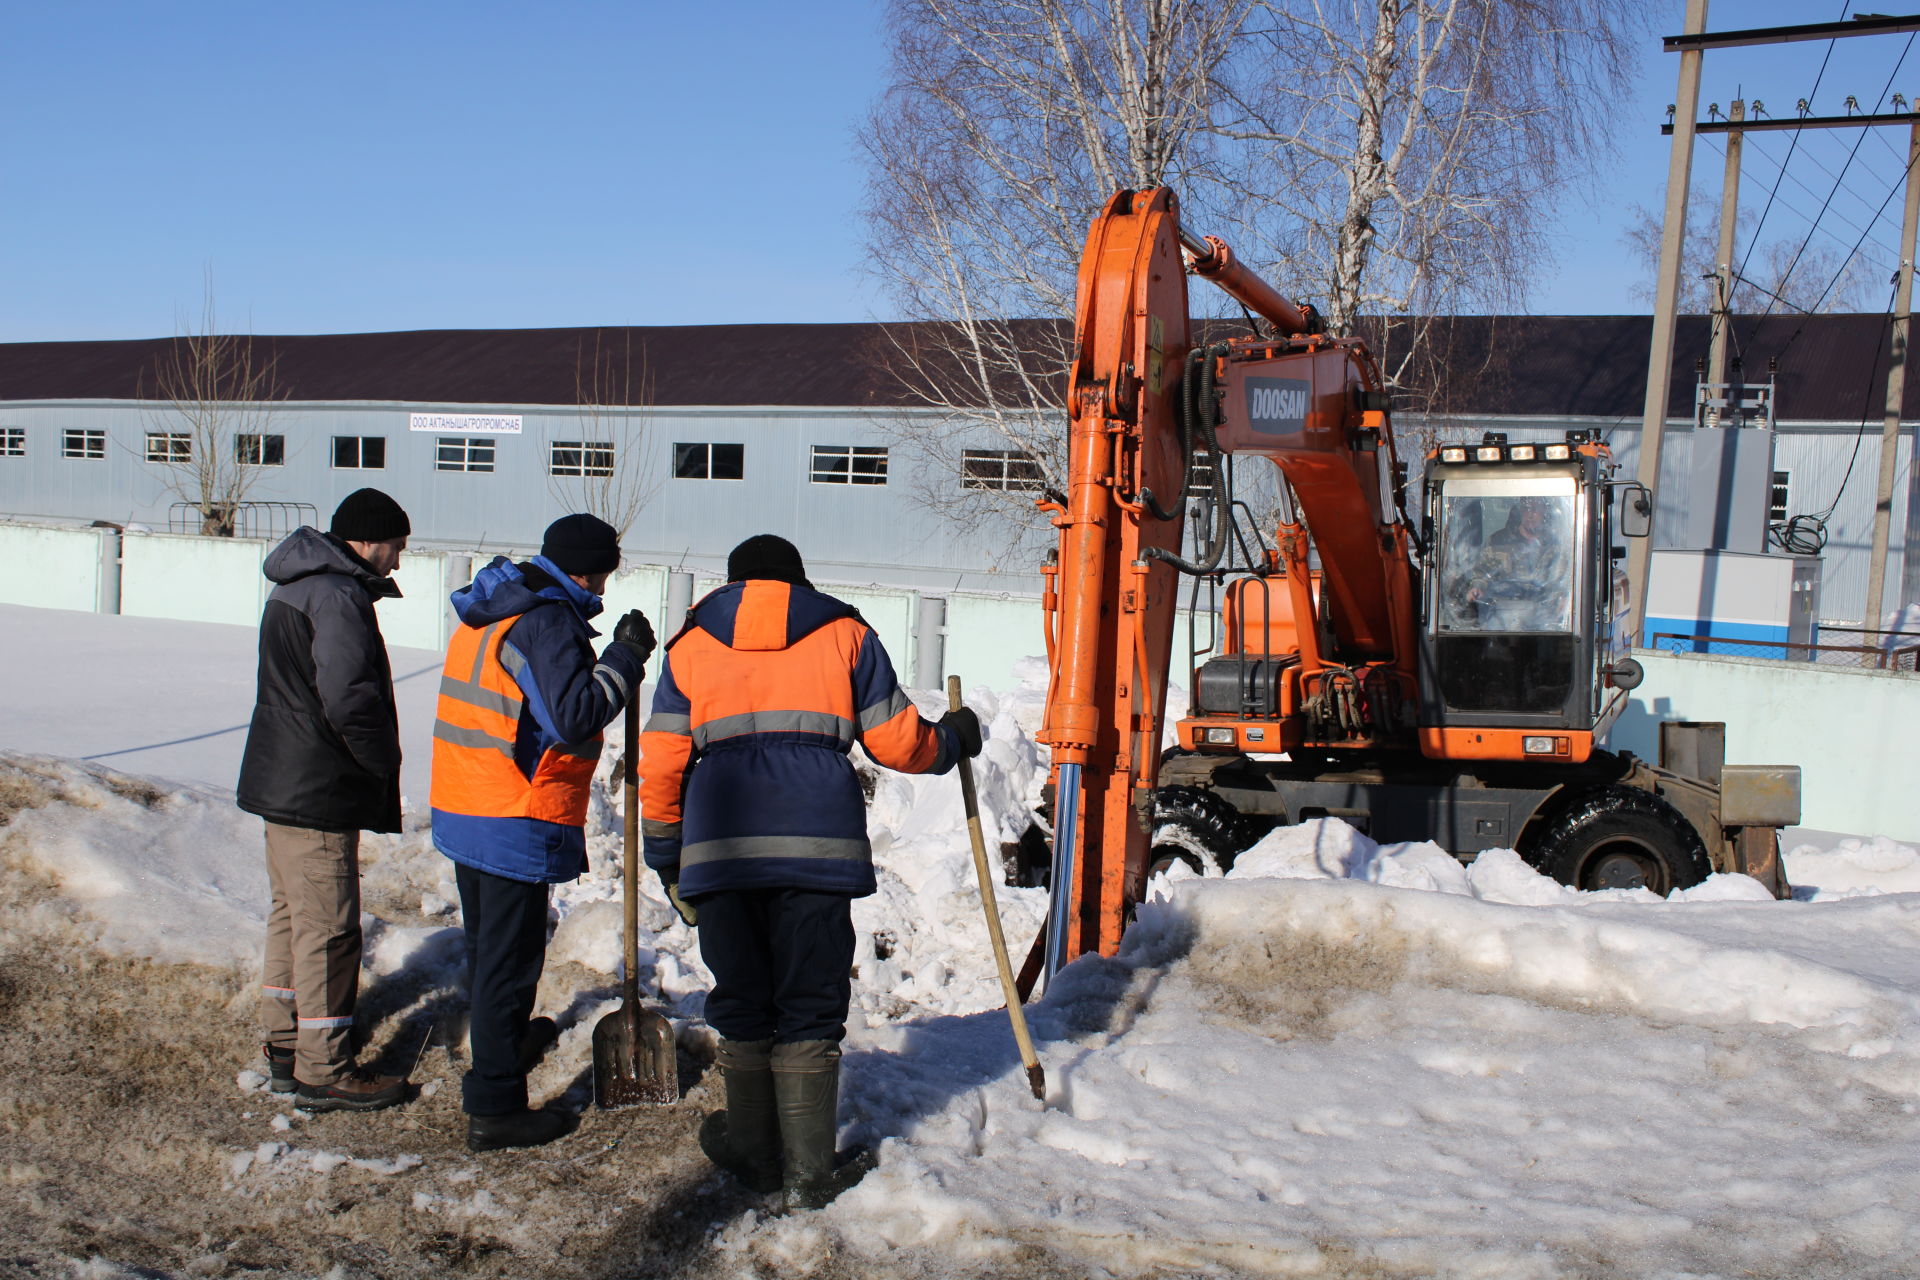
(1507, 563)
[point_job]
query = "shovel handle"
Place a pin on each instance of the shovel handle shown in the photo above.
(1016, 1012)
(630, 854)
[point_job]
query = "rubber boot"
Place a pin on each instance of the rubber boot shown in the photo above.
(521, 1128)
(745, 1138)
(806, 1082)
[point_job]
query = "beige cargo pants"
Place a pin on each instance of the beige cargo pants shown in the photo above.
(312, 972)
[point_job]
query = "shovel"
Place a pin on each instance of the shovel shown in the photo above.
(1016, 1013)
(633, 1058)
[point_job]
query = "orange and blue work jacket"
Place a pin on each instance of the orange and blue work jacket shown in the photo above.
(745, 781)
(517, 735)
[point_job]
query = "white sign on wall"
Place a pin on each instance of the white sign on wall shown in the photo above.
(466, 424)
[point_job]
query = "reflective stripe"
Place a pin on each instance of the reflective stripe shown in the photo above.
(667, 722)
(611, 682)
(279, 993)
(654, 829)
(881, 712)
(479, 739)
(475, 695)
(480, 652)
(513, 660)
(774, 847)
(824, 723)
(327, 1022)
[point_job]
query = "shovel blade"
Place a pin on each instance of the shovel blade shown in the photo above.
(633, 1060)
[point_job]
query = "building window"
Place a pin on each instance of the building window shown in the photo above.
(464, 453)
(169, 446)
(1000, 469)
(709, 461)
(75, 442)
(260, 451)
(13, 442)
(359, 453)
(580, 458)
(1777, 498)
(849, 464)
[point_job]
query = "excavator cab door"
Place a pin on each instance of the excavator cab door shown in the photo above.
(1509, 640)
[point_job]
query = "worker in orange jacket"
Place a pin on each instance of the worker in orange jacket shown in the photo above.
(756, 823)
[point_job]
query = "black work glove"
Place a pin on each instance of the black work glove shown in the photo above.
(670, 880)
(635, 632)
(966, 727)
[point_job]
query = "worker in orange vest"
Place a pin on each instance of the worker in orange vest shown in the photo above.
(755, 822)
(523, 701)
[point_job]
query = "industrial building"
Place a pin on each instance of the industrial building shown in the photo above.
(723, 431)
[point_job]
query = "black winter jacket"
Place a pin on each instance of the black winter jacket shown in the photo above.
(324, 747)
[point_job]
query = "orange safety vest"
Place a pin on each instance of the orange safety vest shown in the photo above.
(477, 723)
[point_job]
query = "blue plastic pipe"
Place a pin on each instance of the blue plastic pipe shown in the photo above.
(1066, 821)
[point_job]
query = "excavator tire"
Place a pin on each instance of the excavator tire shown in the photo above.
(1194, 826)
(1618, 837)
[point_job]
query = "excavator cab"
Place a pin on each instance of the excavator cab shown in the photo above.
(1518, 646)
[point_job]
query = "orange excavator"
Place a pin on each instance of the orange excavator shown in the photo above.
(1445, 679)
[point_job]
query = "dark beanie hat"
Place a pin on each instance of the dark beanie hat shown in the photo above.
(368, 515)
(766, 555)
(582, 544)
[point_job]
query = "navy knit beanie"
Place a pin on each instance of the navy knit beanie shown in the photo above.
(368, 515)
(582, 544)
(766, 555)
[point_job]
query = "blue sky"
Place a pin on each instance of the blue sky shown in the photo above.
(357, 166)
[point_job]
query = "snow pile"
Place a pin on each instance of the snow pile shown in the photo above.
(1852, 868)
(1343, 1057)
(1289, 1076)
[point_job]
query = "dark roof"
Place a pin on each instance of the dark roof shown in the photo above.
(1831, 367)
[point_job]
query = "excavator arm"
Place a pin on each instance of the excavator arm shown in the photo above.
(1294, 397)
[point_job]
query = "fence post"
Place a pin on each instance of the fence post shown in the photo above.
(930, 643)
(679, 600)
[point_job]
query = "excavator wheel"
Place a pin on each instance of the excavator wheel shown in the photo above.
(1194, 826)
(1618, 837)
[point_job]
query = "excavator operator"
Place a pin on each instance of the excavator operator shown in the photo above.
(1522, 579)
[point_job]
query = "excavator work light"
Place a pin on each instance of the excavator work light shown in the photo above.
(1487, 453)
(1217, 737)
(1559, 452)
(1521, 453)
(1543, 746)
(1453, 454)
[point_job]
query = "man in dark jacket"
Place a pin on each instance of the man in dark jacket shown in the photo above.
(517, 738)
(755, 821)
(322, 764)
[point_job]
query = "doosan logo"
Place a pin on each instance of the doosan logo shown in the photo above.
(1277, 405)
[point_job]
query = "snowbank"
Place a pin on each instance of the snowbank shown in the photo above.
(1343, 1057)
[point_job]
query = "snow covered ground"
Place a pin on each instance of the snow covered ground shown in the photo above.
(1342, 1059)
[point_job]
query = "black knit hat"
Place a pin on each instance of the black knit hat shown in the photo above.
(766, 555)
(368, 515)
(582, 544)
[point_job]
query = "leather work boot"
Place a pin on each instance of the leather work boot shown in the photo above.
(806, 1086)
(745, 1138)
(517, 1129)
(279, 1068)
(356, 1090)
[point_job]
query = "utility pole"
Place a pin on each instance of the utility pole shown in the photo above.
(1653, 420)
(1896, 391)
(1723, 261)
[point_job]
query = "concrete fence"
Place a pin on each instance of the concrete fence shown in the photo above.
(1849, 730)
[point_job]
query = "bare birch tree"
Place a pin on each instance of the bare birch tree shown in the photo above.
(1008, 124)
(216, 394)
(603, 467)
(1782, 274)
(1390, 160)
(1417, 148)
